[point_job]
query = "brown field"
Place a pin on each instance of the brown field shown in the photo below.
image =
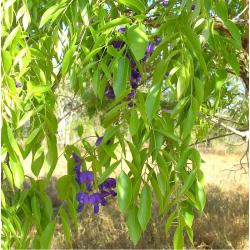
(223, 225)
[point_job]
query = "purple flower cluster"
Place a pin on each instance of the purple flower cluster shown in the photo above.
(96, 198)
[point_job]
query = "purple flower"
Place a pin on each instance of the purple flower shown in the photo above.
(117, 44)
(150, 48)
(88, 186)
(205, 45)
(167, 74)
(134, 85)
(95, 199)
(99, 140)
(104, 193)
(113, 193)
(122, 30)
(131, 104)
(193, 7)
(76, 158)
(86, 176)
(80, 208)
(164, 3)
(104, 203)
(78, 167)
(82, 197)
(77, 177)
(100, 186)
(96, 208)
(135, 75)
(145, 58)
(18, 84)
(110, 95)
(132, 93)
(133, 64)
(106, 89)
(112, 182)
(158, 40)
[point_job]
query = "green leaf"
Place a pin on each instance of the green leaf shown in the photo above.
(221, 10)
(196, 159)
(181, 86)
(183, 160)
(47, 235)
(124, 191)
(90, 55)
(178, 239)
(114, 23)
(169, 221)
(136, 156)
(169, 135)
(187, 211)
(178, 108)
(106, 70)
(200, 196)
(199, 90)
(6, 61)
(234, 31)
(86, 68)
(15, 34)
(37, 161)
(133, 224)
(120, 76)
(144, 212)
(190, 234)
(35, 208)
(233, 61)
(18, 174)
(8, 174)
(134, 122)
(220, 78)
(66, 224)
(40, 88)
(63, 185)
(80, 130)
(137, 41)
(67, 60)
(108, 172)
(110, 132)
(188, 182)
(153, 101)
(157, 192)
(133, 5)
(187, 124)
(133, 169)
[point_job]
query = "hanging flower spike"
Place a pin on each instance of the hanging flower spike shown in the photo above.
(193, 7)
(76, 158)
(122, 30)
(95, 199)
(18, 84)
(99, 140)
(150, 48)
(165, 3)
(145, 58)
(110, 95)
(158, 40)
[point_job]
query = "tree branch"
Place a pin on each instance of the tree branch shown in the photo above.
(77, 107)
(244, 135)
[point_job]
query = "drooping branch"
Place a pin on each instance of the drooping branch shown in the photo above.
(244, 135)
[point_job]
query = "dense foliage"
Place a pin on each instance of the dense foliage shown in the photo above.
(164, 72)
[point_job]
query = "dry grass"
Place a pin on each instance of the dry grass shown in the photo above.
(223, 225)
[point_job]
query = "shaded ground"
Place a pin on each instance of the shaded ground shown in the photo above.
(223, 225)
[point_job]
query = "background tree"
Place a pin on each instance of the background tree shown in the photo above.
(157, 71)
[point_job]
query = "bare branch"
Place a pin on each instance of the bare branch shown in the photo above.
(244, 135)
